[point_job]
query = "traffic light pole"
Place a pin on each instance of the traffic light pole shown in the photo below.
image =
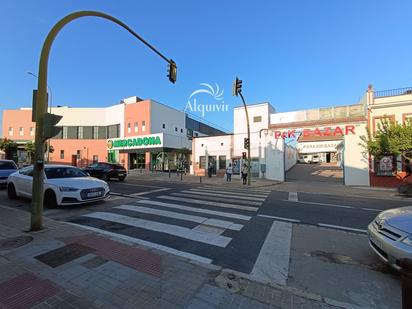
(249, 176)
(36, 222)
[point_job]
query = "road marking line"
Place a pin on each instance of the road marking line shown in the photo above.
(342, 227)
(136, 185)
(225, 195)
(176, 230)
(151, 191)
(264, 196)
(279, 218)
(129, 195)
(321, 204)
(170, 214)
(149, 244)
(218, 199)
(209, 203)
(373, 209)
(249, 190)
(272, 264)
(293, 196)
(199, 210)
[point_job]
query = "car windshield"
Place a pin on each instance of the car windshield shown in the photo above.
(7, 165)
(64, 172)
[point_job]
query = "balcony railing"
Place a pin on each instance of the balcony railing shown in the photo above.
(393, 92)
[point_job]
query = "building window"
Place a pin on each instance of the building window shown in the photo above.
(31, 131)
(222, 162)
(95, 132)
(78, 154)
(64, 132)
(380, 120)
(196, 134)
(136, 127)
(62, 154)
(176, 129)
(164, 126)
(11, 131)
(202, 160)
(181, 130)
(257, 119)
(128, 128)
(95, 158)
(143, 126)
(80, 133)
(21, 131)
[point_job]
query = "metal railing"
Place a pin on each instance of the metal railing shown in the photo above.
(392, 92)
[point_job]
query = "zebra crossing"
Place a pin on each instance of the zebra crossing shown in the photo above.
(204, 223)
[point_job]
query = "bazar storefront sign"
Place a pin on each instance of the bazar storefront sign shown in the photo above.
(135, 142)
(326, 131)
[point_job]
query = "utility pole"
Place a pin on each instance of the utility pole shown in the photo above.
(45, 122)
(237, 90)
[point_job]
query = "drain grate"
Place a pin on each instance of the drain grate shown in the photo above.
(14, 242)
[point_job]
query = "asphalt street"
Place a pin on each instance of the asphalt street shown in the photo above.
(255, 231)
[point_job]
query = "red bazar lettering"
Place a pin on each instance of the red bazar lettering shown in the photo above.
(326, 131)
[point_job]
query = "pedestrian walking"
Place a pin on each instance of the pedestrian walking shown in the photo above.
(244, 173)
(209, 170)
(229, 172)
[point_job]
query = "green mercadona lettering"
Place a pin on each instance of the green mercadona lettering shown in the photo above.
(131, 142)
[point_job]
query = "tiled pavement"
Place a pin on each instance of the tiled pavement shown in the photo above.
(116, 274)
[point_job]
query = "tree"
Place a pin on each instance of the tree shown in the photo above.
(8, 146)
(390, 139)
(29, 147)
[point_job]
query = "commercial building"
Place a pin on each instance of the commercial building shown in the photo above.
(139, 134)
(332, 134)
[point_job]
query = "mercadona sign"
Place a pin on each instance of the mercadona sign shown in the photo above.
(135, 142)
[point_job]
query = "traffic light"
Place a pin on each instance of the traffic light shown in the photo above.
(49, 125)
(237, 87)
(246, 143)
(172, 71)
(244, 155)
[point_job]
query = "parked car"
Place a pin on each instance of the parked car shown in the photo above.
(106, 171)
(63, 185)
(315, 159)
(7, 167)
(390, 235)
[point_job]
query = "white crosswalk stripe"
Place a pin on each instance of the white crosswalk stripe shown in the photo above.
(240, 197)
(209, 203)
(230, 192)
(183, 232)
(197, 210)
(218, 199)
(239, 189)
(170, 214)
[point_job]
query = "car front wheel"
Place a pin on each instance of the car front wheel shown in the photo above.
(11, 191)
(50, 200)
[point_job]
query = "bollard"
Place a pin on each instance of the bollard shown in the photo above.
(200, 178)
(140, 170)
(406, 269)
(181, 176)
(169, 173)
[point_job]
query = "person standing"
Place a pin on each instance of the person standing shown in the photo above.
(209, 170)
(229, 172)
(244, 173)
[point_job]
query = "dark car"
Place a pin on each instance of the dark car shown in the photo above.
(106, 171)
(7, 167)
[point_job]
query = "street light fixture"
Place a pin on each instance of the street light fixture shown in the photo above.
(41, 106)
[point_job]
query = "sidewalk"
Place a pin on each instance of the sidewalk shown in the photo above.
(64, 266)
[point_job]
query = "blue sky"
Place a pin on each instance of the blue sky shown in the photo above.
(294, 54)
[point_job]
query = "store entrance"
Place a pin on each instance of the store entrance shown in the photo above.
(137, 161)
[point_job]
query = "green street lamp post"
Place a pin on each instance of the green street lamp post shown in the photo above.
(45, 122)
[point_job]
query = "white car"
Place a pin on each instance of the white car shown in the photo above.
(63, 185)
